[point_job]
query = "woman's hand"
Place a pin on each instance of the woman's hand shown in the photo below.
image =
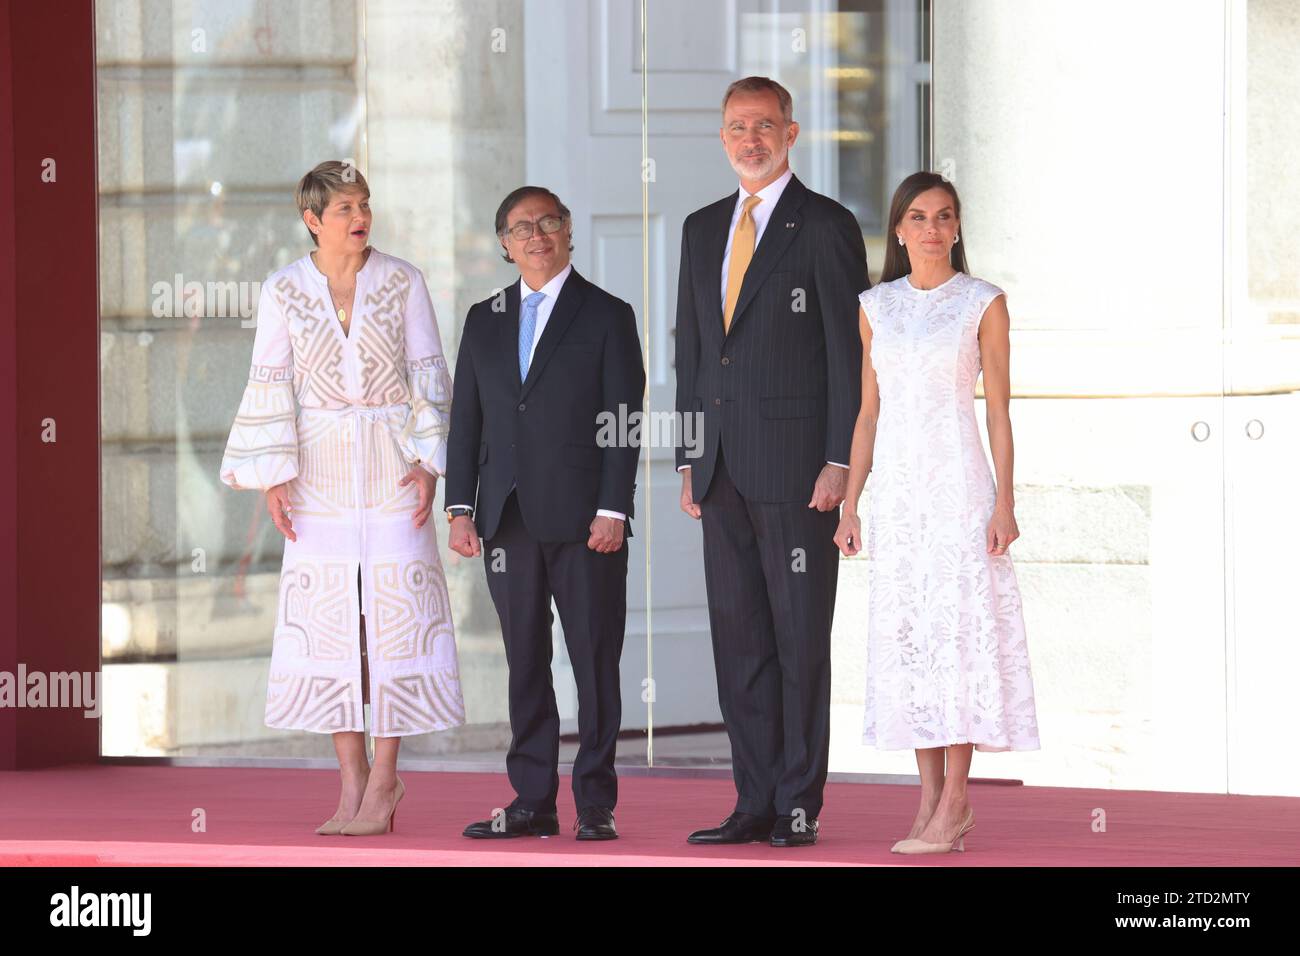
(1002, 530)
(849, 534)
(277, 503)
(428, 488)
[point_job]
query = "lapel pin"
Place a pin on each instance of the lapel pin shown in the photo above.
(789, 225)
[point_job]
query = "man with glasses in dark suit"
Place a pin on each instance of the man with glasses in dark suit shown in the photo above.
(768, 351)
(540, 365)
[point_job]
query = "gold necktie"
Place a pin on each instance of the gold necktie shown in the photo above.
(742, 250)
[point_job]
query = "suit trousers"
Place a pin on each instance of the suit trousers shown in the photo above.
(770, 571)
(590, 592)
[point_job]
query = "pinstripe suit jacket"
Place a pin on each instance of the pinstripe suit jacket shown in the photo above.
(780, 391)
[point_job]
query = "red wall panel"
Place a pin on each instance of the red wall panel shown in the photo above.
(49, 370)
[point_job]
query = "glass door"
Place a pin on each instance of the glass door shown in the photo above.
(209, 113)
(1262, 404)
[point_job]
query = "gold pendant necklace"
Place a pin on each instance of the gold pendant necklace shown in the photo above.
(343, 316)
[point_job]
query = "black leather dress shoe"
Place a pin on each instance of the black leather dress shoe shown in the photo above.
(784, 833)
(515, 822)
(737, 828)
(595, 823)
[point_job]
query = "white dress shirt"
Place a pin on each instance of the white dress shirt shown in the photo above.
(552, 292)
(761, 213)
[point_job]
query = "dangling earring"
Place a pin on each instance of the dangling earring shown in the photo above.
(900, 240)
(956, 239)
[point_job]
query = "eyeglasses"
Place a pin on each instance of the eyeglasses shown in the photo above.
(523, 231)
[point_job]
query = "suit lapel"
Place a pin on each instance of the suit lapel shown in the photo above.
(562, 314)
(718, 232)
(509, 334)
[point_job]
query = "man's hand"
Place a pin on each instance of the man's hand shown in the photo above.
(277, 503)
(689, 506)
(464, 537)
(606, 535)
(831, 486)
(428, 483)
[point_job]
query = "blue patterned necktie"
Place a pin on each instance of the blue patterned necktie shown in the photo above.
(527, 325)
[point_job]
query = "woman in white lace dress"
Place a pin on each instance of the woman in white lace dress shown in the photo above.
(947, 659)
(343, 425)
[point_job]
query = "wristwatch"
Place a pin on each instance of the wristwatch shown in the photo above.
(456, 511)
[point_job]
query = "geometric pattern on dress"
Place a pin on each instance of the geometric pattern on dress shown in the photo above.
(317, 352)
(381, 346)
(261, 451)
(412, 610)
(418, 703)
(315, 611)
(430, 419)
(312, 702)
(412, 623)
(325, 486)
(386, 466)
(315, 628)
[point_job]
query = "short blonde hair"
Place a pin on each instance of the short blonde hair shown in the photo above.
(317, 188)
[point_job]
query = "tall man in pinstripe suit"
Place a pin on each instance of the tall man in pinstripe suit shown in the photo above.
(768, 351)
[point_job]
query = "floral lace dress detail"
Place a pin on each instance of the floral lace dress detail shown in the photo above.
(947, 657)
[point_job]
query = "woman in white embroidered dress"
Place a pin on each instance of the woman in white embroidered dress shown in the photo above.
(343, 425)
(947, 658)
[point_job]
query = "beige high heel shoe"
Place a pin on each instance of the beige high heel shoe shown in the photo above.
(372, 827)
(894, 848)
(958, 844)
(333, 826)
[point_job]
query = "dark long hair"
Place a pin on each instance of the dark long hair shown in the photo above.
(897, 263)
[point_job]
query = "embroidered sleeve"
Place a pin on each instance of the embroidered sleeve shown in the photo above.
(262, 450)
(424, 437)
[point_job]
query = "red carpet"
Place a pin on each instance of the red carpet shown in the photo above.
(113, 815)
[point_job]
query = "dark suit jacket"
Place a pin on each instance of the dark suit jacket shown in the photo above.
(781, 390)
(541, 434)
